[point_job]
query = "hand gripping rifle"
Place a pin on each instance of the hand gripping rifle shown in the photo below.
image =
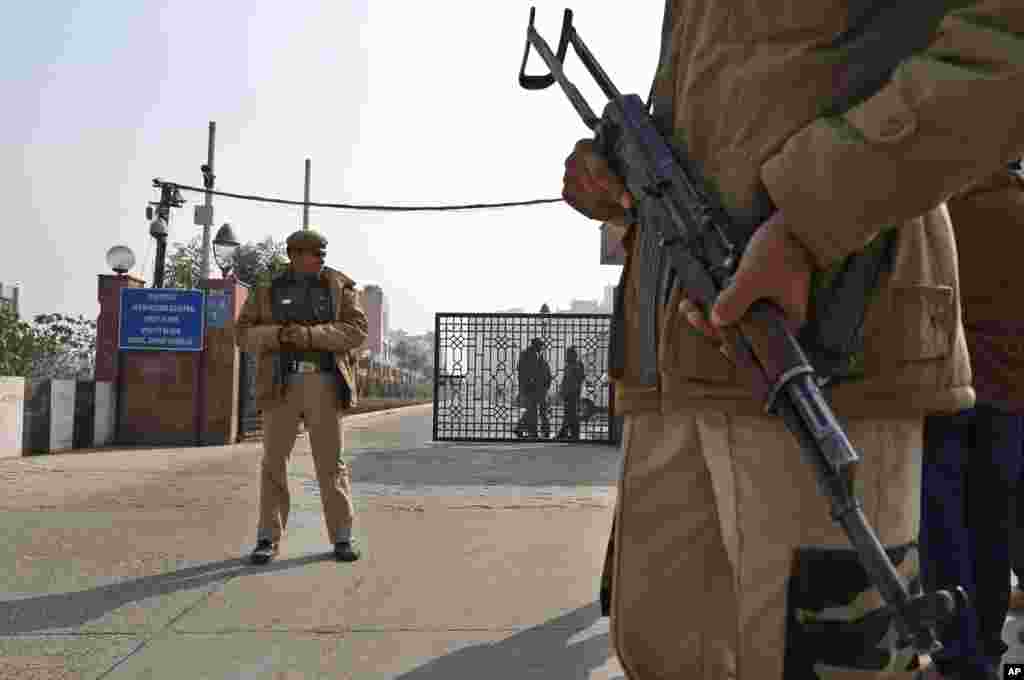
(688, 239)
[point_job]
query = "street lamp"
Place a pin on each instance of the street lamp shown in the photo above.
(225, 249)
(121, 259)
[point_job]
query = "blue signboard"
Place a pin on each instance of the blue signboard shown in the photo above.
(162, 319)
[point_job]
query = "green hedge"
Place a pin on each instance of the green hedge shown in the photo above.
(377, 390)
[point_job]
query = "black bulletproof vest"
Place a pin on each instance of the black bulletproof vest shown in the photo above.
(303, 300)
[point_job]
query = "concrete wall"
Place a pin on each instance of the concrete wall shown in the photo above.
(85, 414)
(220, 374)
(62, 414)
(105, 414)
(109, 297)
(66, 414)
(12, 415)
(49, 423)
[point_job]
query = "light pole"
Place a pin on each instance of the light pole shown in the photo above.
(225, 249)
(208, 180)
(170, 197)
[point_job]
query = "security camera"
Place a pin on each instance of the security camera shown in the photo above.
(158, 228)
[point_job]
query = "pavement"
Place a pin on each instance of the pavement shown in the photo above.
(480, 561)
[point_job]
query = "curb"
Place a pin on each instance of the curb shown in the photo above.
(356, 417)
(370, 414)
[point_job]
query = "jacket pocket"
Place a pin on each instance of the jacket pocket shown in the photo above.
(910, 323)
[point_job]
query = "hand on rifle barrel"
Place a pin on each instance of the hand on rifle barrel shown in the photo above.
(590, 186)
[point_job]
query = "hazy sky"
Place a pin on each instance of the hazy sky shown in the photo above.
(395, 102)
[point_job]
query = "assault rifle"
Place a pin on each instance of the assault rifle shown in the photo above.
(687, 239)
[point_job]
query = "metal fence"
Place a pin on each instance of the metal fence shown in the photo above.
(476, 377)
(250, 421)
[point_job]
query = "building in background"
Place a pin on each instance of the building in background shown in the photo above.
(375, 305)
(608, 301)
(584, 307)
(9, 298)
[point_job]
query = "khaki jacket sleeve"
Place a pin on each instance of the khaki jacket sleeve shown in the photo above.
(347, 333)
(253, 333)
(948, 115)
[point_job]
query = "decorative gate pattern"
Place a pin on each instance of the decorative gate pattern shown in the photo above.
(250, 421)
(476, 381)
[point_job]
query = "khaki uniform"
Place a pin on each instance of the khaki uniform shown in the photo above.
(726, 563)
(317, 397)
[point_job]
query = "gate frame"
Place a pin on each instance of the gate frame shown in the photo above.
(246, 374)
(614, 421)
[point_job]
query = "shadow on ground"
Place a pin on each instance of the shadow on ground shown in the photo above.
(543, 651)
(520, 464)
(69, 610)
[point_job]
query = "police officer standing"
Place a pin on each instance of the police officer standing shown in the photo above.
(304, 328)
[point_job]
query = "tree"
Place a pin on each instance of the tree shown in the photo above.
(184, 265)
(409, 356)
(52, 346)
(19, 345)
(414, 353)
(255, 263)
(66, 347)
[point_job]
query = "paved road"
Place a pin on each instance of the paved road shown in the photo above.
(482, 562)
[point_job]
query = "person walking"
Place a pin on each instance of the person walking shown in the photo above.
(304, 328)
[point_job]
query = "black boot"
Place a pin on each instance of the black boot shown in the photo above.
(265, 551)
(345, 551)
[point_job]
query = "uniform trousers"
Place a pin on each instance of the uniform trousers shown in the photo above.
(727, 564)
(314, 398)
(972, 463)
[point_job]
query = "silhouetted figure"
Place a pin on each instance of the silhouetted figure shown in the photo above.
(569, 390)
(534, 382)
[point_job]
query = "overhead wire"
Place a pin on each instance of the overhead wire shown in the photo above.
(381, 208)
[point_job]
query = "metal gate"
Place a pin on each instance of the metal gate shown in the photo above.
(250, 421)
(476, 377)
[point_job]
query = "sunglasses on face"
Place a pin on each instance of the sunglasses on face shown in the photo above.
(321, 254)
